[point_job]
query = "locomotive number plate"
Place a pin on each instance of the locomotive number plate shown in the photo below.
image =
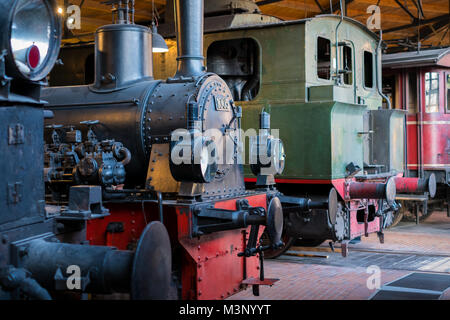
(221, 103)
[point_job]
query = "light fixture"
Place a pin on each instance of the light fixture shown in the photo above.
(31, 35)
(158, 43)
(60, 10)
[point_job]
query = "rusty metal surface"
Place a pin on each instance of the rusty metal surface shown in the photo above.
(159, 177)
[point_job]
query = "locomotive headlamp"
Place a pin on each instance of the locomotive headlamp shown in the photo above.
(267, 156)
(193, 158)
(30, 33)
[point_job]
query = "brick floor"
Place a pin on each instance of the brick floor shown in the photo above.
(431, 236)
(325, 282)
(316, 282)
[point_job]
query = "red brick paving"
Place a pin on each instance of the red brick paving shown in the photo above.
(316, 282)
(409, 237)
(322, 282)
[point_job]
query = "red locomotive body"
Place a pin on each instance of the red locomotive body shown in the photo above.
(202, 259)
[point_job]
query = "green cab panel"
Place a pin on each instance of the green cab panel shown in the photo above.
(320, 138)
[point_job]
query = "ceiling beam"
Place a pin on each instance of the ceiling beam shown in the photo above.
(320, 7)
(418, 4)
(406, 10)
(264, 2)
(336, 6)
(430, 30)
(416, 23)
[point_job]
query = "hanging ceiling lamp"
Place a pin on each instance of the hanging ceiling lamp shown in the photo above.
(158, 43)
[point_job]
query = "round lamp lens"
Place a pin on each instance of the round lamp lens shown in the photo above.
(30, 35)
(33, 57)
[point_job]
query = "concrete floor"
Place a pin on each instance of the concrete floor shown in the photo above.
(319, 274)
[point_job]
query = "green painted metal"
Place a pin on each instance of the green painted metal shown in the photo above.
(320, 122)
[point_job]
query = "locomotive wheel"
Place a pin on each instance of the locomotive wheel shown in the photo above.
(275, 253)
(308, 242)
(398, 216)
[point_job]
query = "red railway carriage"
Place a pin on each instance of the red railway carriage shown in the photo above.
(419, 82)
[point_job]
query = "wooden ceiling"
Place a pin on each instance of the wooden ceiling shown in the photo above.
(404, 22)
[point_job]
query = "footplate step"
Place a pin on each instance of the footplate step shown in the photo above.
(256, 281)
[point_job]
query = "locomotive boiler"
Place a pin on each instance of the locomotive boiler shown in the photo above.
(44, 255)
(167, 151)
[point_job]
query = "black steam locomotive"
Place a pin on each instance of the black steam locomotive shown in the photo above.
(43, 253)
(128, 152)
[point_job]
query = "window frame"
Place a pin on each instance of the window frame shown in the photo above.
(364, 71)
(330, 79)
(425, 90)
(352, 62)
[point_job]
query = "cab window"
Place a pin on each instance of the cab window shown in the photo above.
(323, 58)
(346, 64)
(431, 92)
(368, 69)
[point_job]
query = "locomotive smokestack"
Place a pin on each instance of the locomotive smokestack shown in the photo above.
(189, 28)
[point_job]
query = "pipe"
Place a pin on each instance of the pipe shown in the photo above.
(103, 269)
(189, 30)
(337, 43)
(380, 91)
(126, 154)
(160, 206)
(420, 109)
(19, 278)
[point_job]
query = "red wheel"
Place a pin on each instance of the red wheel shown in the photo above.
(274, 253)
